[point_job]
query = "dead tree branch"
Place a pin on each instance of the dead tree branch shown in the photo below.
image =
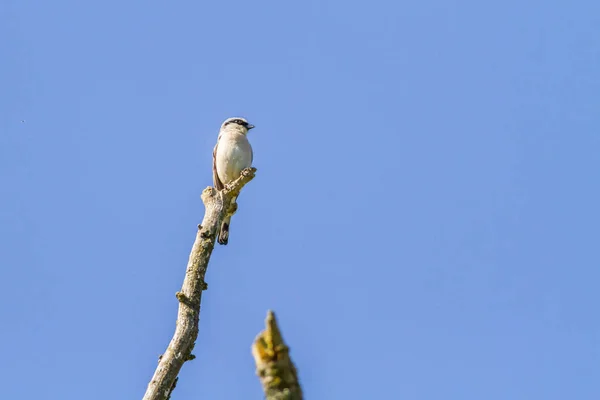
(218, 205)
(274, 366)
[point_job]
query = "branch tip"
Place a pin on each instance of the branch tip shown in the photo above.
(274, 367)
(232, 189)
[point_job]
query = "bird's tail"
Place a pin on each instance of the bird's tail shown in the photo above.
(223, 236)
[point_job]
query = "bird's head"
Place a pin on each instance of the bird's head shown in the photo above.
(237, 124)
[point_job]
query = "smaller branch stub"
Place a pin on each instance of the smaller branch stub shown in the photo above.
(274, 366)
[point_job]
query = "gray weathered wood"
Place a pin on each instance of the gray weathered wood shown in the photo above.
(218, 204)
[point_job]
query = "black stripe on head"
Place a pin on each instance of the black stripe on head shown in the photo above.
(237, 121)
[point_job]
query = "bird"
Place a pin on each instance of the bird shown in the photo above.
(231, 155)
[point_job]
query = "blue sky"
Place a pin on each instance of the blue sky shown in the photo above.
(424, 220)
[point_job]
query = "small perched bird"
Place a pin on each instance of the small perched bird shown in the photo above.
(231, 156)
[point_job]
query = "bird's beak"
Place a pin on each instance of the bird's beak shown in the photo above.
(249, 126)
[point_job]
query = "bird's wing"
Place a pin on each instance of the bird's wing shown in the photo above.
(217, 182)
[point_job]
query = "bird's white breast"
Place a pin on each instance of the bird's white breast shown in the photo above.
(234, 154)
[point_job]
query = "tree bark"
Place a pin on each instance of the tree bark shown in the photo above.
(218, 204)
(274, 366)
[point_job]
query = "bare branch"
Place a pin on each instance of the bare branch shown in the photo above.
(217, 205)
(274, 366)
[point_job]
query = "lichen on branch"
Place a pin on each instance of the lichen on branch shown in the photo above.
(274, 366)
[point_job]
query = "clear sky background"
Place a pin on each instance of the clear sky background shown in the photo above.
(424, 221)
